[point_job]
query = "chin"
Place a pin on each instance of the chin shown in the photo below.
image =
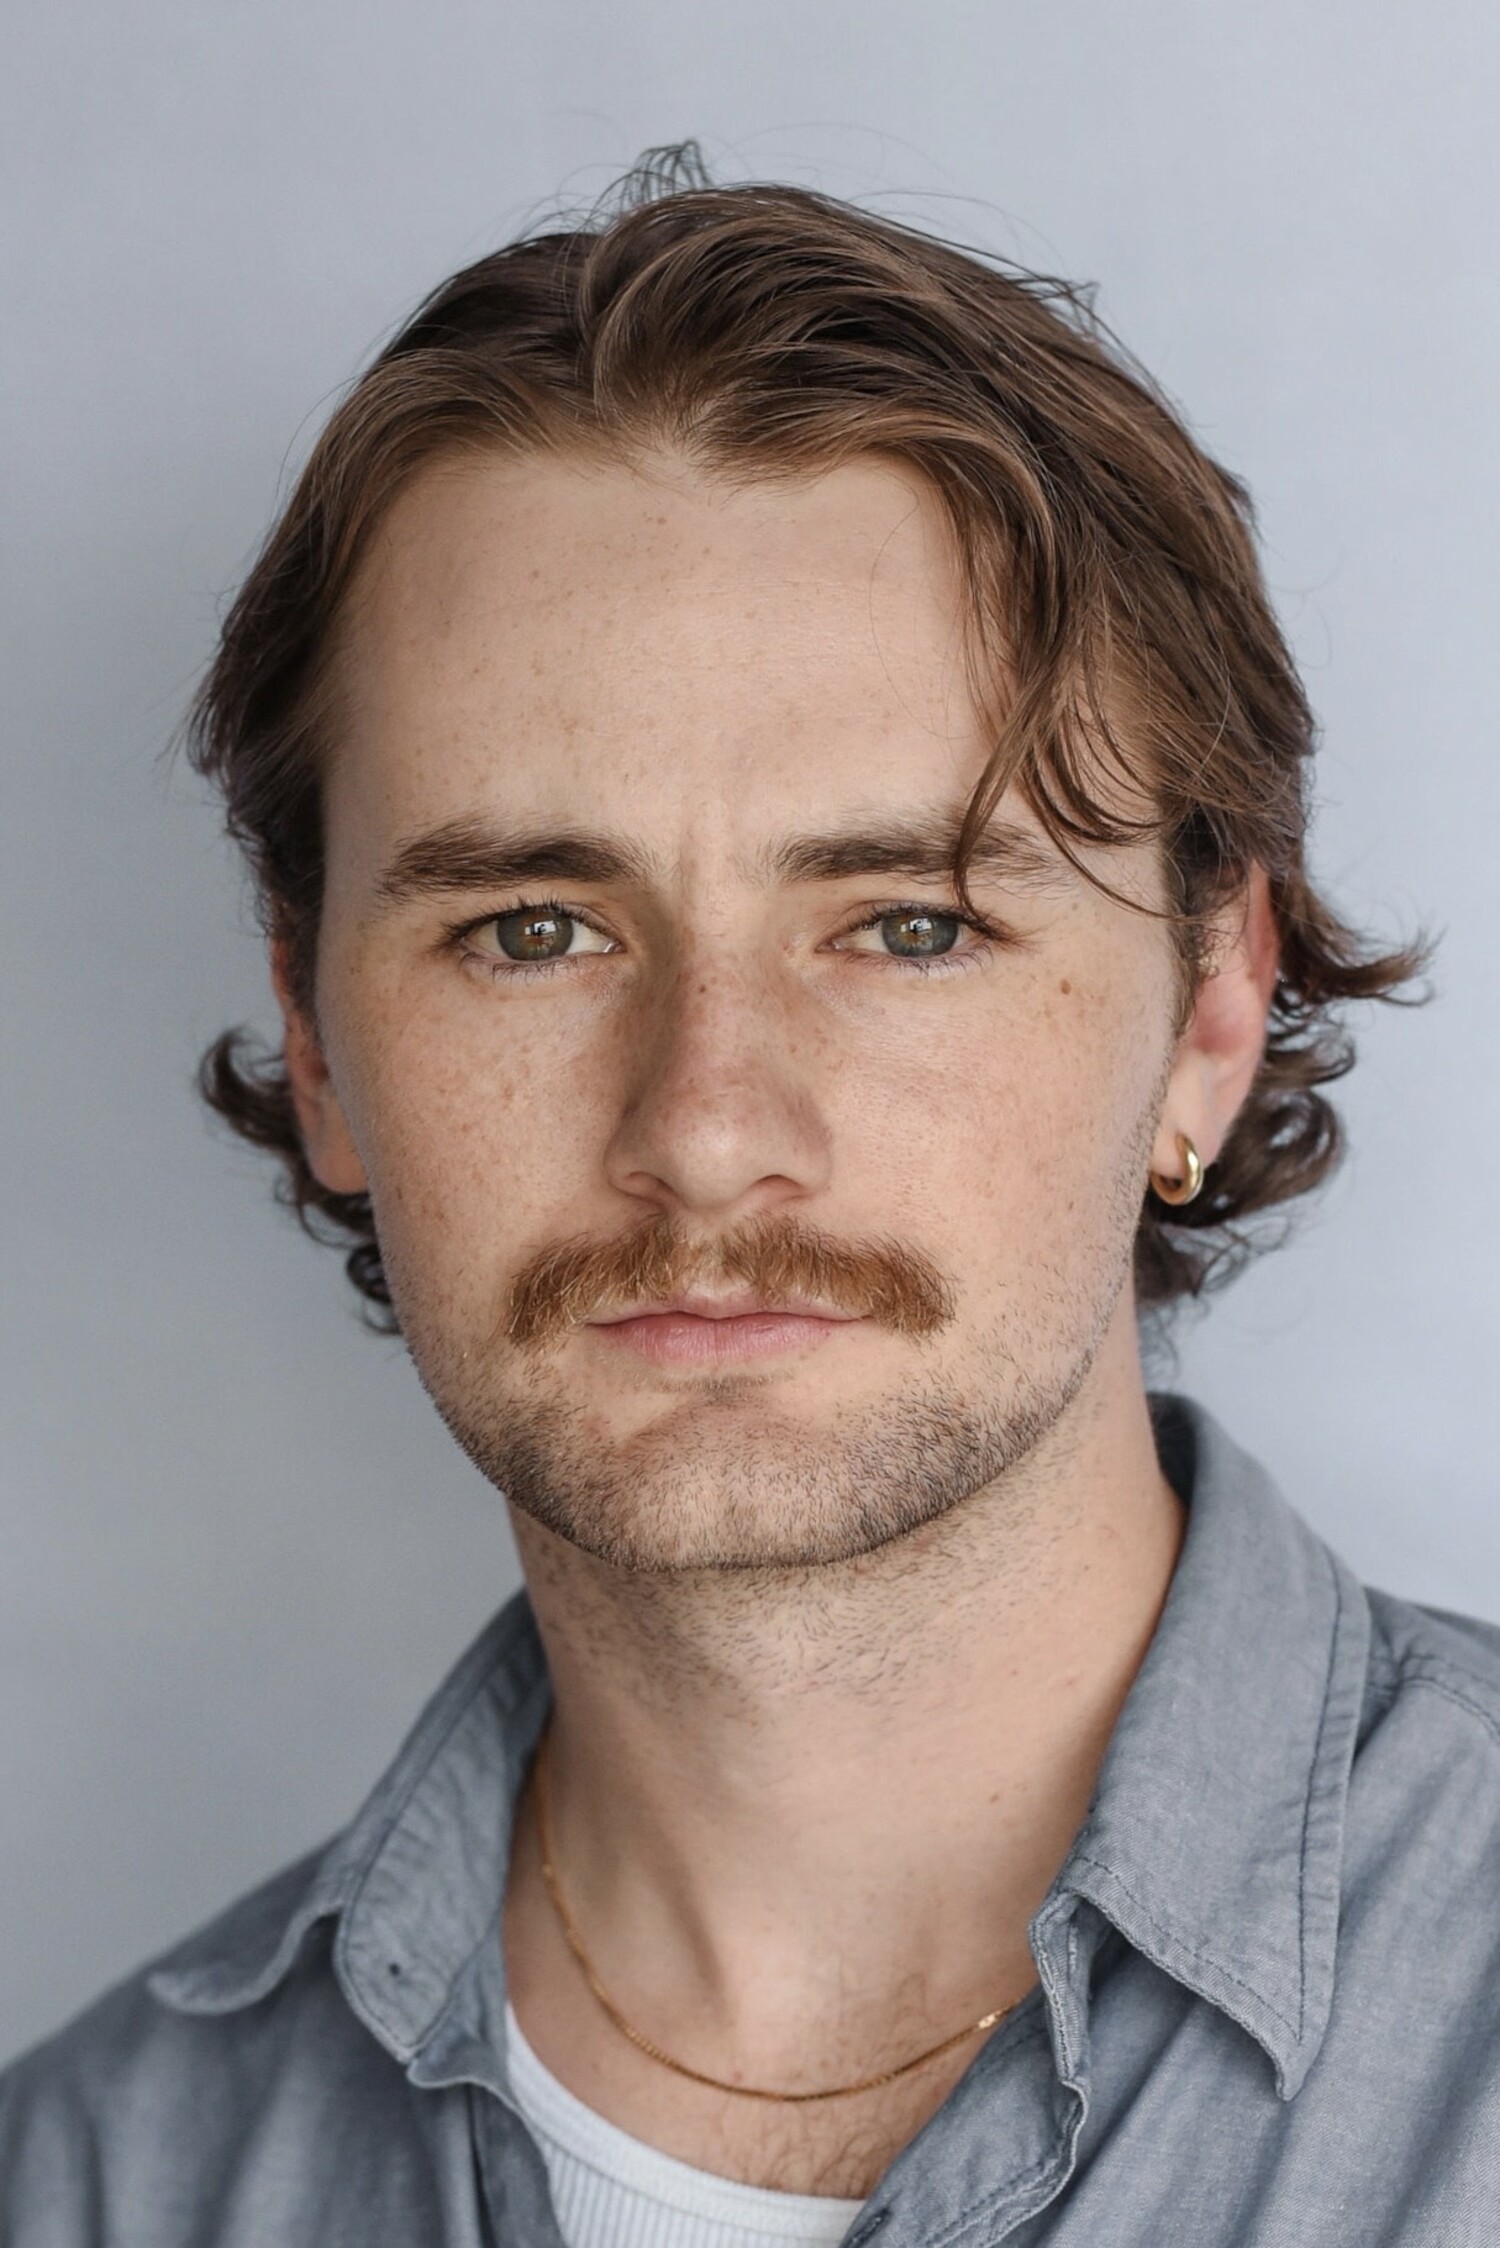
(726, 1482)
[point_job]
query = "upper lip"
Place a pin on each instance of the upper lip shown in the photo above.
(741, 1304)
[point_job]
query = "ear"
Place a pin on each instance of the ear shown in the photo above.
(1219, 1052)
(326, 1137)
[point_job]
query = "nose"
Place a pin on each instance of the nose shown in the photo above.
(720, 1118)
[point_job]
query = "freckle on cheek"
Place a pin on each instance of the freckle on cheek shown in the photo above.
(1065, 987)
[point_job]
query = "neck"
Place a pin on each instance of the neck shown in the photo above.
(772, 1790)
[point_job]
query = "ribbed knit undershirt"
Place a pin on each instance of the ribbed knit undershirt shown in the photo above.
(612, 2191)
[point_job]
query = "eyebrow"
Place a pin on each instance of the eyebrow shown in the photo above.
(467, 855)
(926, 849)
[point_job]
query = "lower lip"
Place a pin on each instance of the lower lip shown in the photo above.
(678, 1338)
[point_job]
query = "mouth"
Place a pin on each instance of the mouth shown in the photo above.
(703, 1330)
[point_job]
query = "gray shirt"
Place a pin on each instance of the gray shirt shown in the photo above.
(1269, 2008)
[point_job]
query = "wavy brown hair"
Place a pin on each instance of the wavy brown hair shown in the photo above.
(1121, 637)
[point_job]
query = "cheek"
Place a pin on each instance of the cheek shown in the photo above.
(475, 1120)
(1020, 1130)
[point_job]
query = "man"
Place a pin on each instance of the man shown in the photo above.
(779, 804)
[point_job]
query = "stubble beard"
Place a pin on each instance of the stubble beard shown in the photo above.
(724, 1481)
(743, 1488)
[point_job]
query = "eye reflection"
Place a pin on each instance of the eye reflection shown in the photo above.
(533, 934)
(918, 935)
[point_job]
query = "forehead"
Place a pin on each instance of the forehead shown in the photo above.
(548, 636)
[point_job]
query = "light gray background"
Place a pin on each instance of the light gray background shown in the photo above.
(238, 1549)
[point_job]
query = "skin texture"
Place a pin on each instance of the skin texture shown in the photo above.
(839, 1611)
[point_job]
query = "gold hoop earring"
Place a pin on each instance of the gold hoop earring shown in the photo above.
(1178, 1191)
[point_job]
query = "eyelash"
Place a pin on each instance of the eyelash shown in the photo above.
(505, 970)
(994, 934)
(942, 963)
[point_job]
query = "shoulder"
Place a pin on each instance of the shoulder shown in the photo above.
(1434, 1667)
(1423, 1815)
(151, 2099)
(218, 2092)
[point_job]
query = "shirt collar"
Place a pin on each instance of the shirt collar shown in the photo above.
(415, 1884)
(1213, 1842)
(1215, 1839)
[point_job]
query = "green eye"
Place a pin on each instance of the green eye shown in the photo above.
(533, 935)
(919, 936)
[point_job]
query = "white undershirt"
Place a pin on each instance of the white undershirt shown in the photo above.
(613, 2191)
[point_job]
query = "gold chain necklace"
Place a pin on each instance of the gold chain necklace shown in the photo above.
(654, 2052)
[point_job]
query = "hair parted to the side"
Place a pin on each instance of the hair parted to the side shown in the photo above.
(1121, 636)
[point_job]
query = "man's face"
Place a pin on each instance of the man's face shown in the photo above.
(742, 1203)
